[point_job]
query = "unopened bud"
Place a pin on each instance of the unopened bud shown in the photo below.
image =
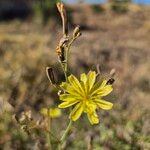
(76, 32)
(61, 53)
(50, 75)
(98, 69)
(62, 11)
(60, 7)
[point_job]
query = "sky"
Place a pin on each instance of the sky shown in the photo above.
(99, 1)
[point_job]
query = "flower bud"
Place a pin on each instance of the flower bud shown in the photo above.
(76, 32)
(50, 75)
(61, 53)
(110, 81)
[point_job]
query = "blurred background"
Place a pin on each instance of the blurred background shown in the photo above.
(115, 34)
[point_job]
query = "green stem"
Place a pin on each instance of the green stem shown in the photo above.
(49, 135)
(63, 138)
(66, 66)
(65, 70)
(69, 45)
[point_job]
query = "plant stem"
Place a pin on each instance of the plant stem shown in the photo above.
(66, 66)
(71, 41)
(63, 138)
(65, 134)
(49, 135)
(63, 68)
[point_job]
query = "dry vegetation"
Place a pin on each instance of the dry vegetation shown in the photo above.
(120, 41)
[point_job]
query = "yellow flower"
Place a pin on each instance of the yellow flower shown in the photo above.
(86, 95)
(51, 112)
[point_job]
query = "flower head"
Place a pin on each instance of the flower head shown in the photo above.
(86, 95)
(52, 112)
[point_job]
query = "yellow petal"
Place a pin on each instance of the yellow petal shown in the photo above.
(83, 78)
(76, 112)
(91, 112)
(51, 112)
(68, 97)
(55, 113)
(97, 86)
(75, 83)
(103, 104)
(90, 107)
(64, 85)
(44, 111)
(93, 118)
(88, 80)
(91, 79)
(70, 89)
(104, 82)
(68, 103)
(105, 90)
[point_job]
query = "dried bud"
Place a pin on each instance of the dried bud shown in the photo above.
(58, 50)
(50, 75)
(62, 11)
(112, 72)
(61, 53)
(28, 115)
(60, 7)
(110, 81)
(98, 69)
(63, 41)
(25, 117)
(76, 32)
(26, 122)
